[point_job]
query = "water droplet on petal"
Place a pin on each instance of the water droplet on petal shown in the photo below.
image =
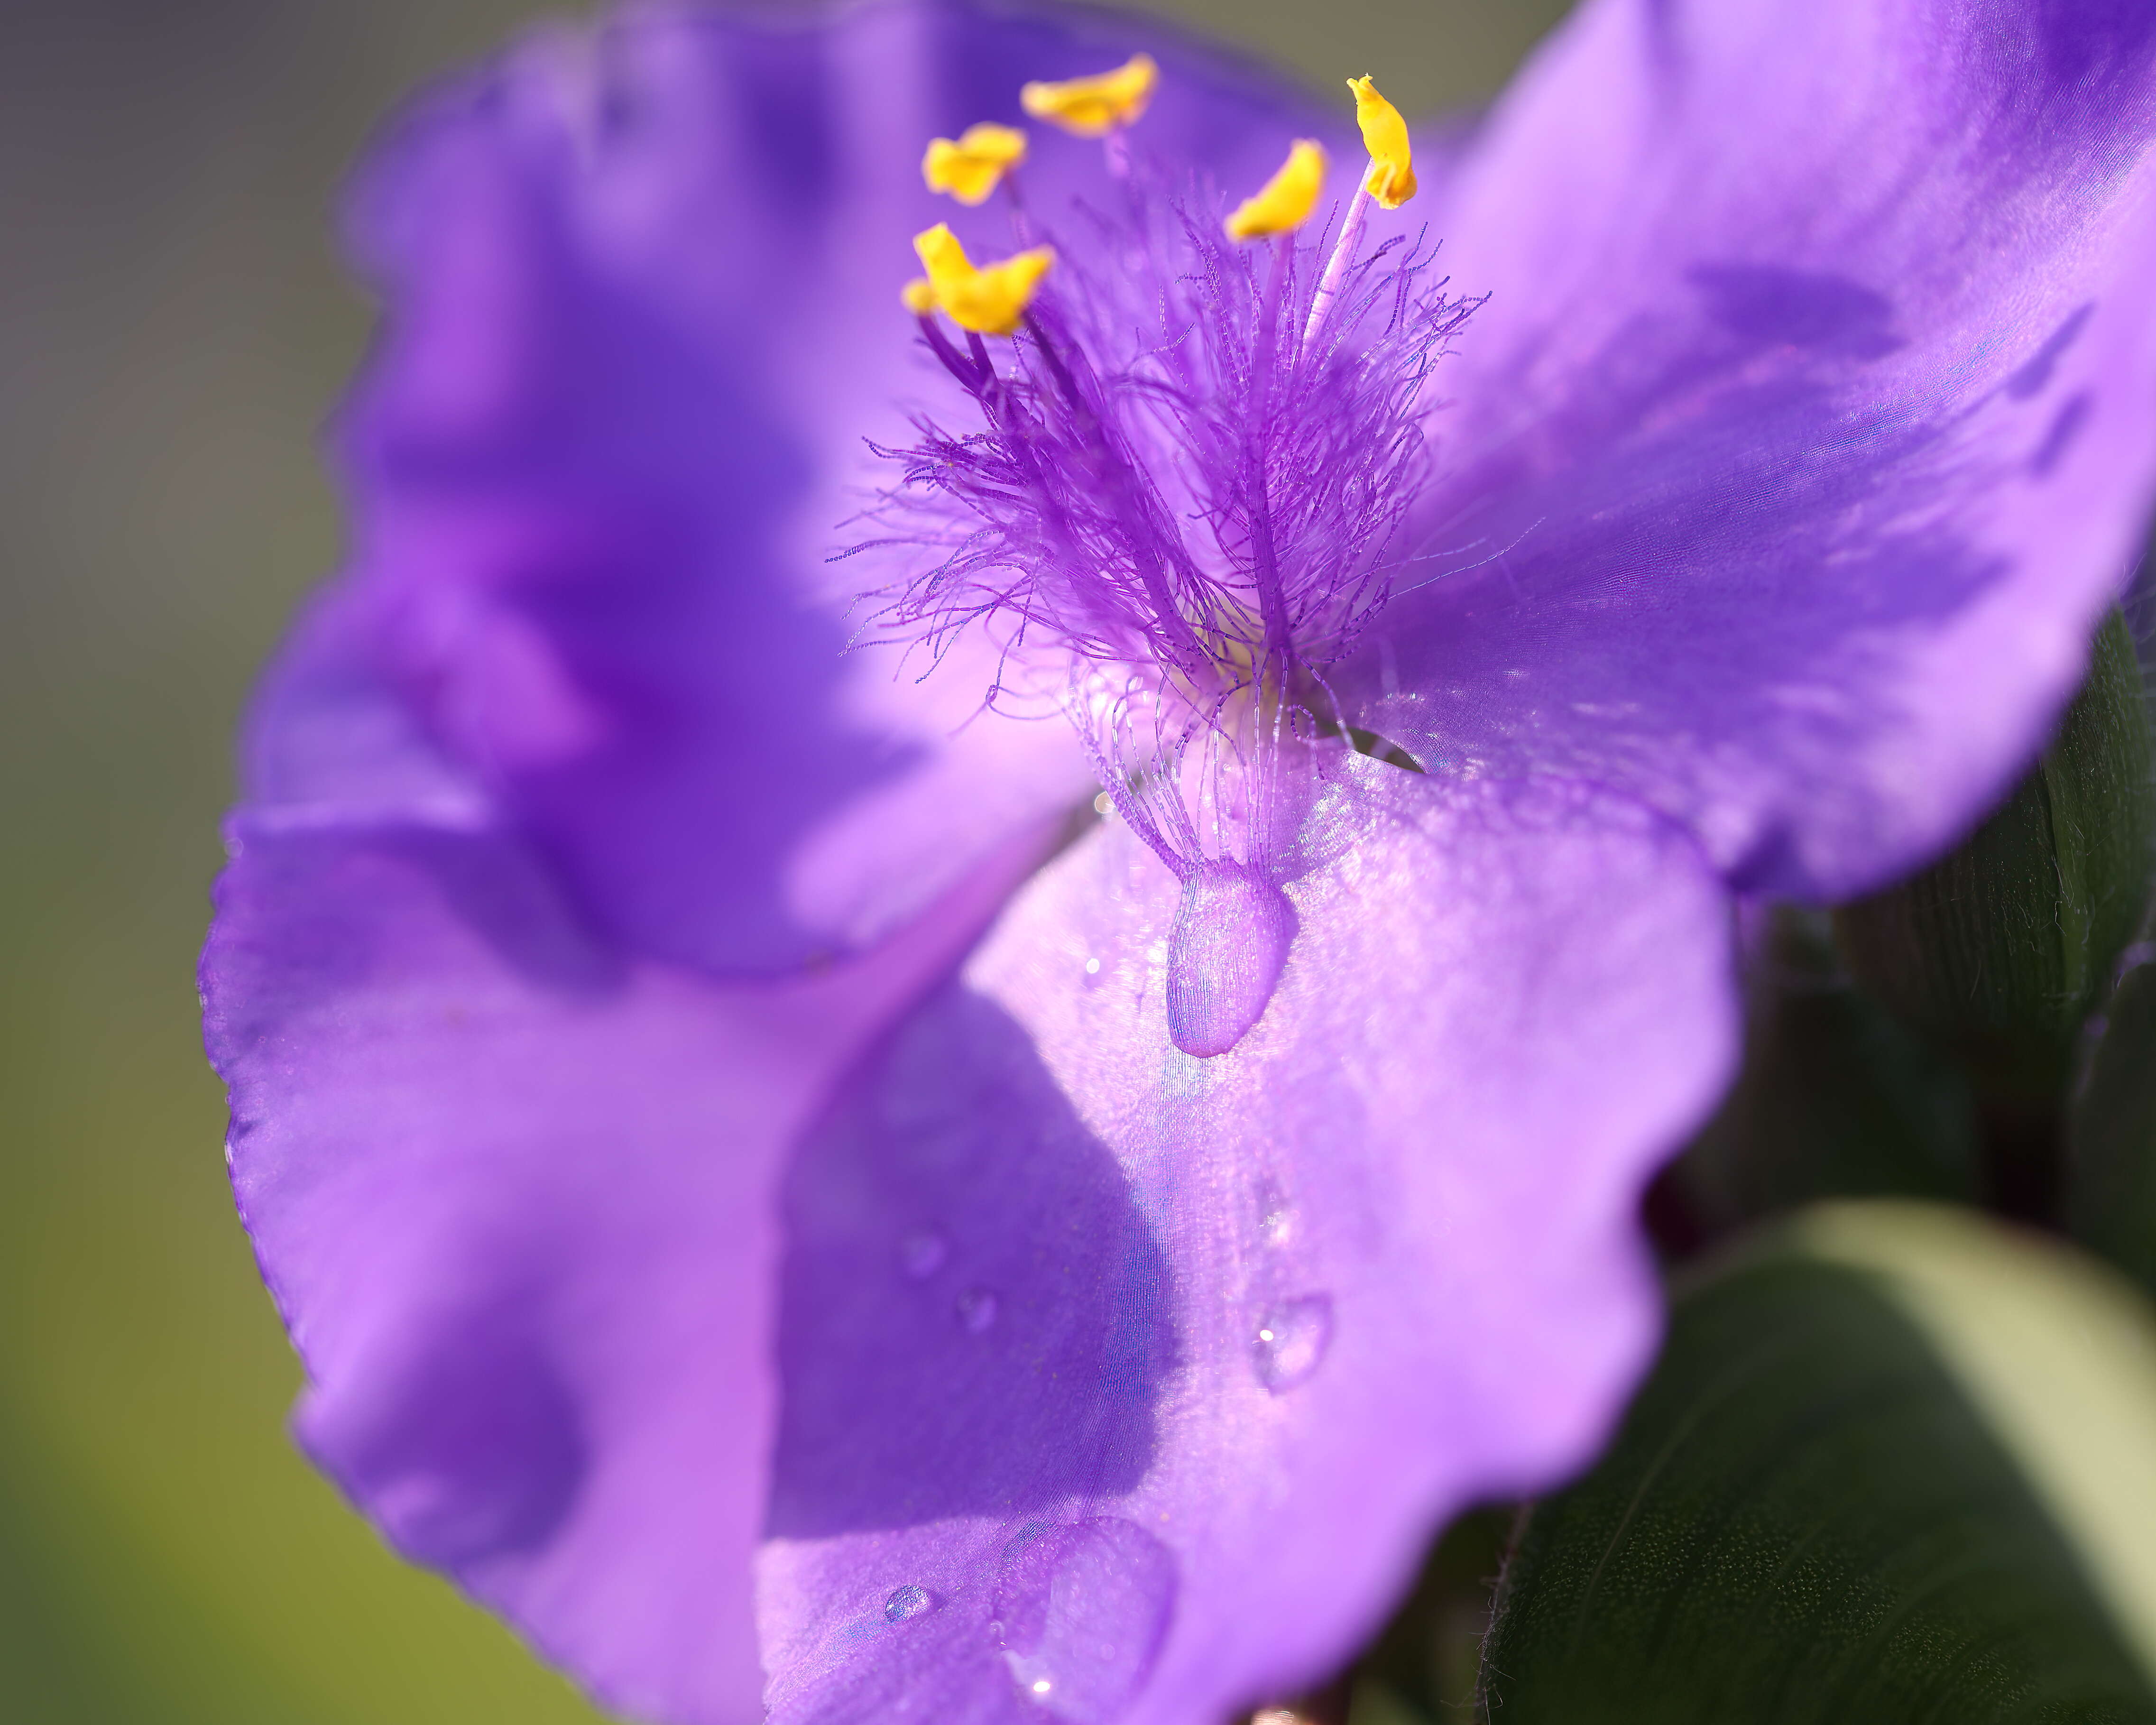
(977, 1309)
(1092, 967)
(905, 1602)
(920, 1256)
(1292, 1341)
(1232, 931)
(1080, 1611)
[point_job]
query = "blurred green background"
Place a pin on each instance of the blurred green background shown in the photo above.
(173, 326)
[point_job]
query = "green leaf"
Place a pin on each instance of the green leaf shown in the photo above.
(2002, 948)
(1836, 1096)
(2111, 1196)
(1431, 1650)
(1894, 1465)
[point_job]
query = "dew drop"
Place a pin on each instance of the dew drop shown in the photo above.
(922, 1255)
(1291, 1339)
(1080, 1612)
(1092, 967)
(1232, 931)
(905, 1602)
(977, 1309)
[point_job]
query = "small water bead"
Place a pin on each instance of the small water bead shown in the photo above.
(906, 1602)
(977, 1309)
(1291, 1341)
(1232, 928)
(922, 1255)
(1092, 967)
(1080, 1612)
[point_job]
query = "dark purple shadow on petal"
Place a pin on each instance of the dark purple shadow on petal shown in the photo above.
(1767, 306)
(2069, 84)
(575, 563)
(2093, 46)
(974, 1315)
(468, 1449)
(2066, 426)
(2029, 379)
(776, 81)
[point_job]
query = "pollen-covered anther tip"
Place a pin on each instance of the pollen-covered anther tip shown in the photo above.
(1092, 107)
(989, 301)
(1391, 179)
(972, 165)
(1283, 202)
(919, 296)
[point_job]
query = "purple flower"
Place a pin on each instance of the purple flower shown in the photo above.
(776, 1204)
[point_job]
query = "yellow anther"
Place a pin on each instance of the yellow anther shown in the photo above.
(920, 296)
(1094, 106)
(990, 301)
(970, 165)
(1285, 201)
(1391, 179)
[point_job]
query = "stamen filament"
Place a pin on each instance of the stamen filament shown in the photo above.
(953, 361)
(1128, 494)
(1336, 266)
(1272, 608)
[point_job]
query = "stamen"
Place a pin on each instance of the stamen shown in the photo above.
(1391, 179)
(1093, 107)
(970, 167)
(1171, 514)
(1285, 201)
(988, 302)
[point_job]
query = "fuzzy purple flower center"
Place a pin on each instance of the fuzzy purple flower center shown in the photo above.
(1172, 500)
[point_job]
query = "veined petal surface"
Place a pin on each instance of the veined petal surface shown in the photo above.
(1259, 1321)
(1809, 425)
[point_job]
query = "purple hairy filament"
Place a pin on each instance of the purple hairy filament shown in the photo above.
(1172, 512)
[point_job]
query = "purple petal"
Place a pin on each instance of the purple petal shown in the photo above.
(579, 703)
(1809, 425)
(516, 1200)
(641, 289)
(1257, 1321)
